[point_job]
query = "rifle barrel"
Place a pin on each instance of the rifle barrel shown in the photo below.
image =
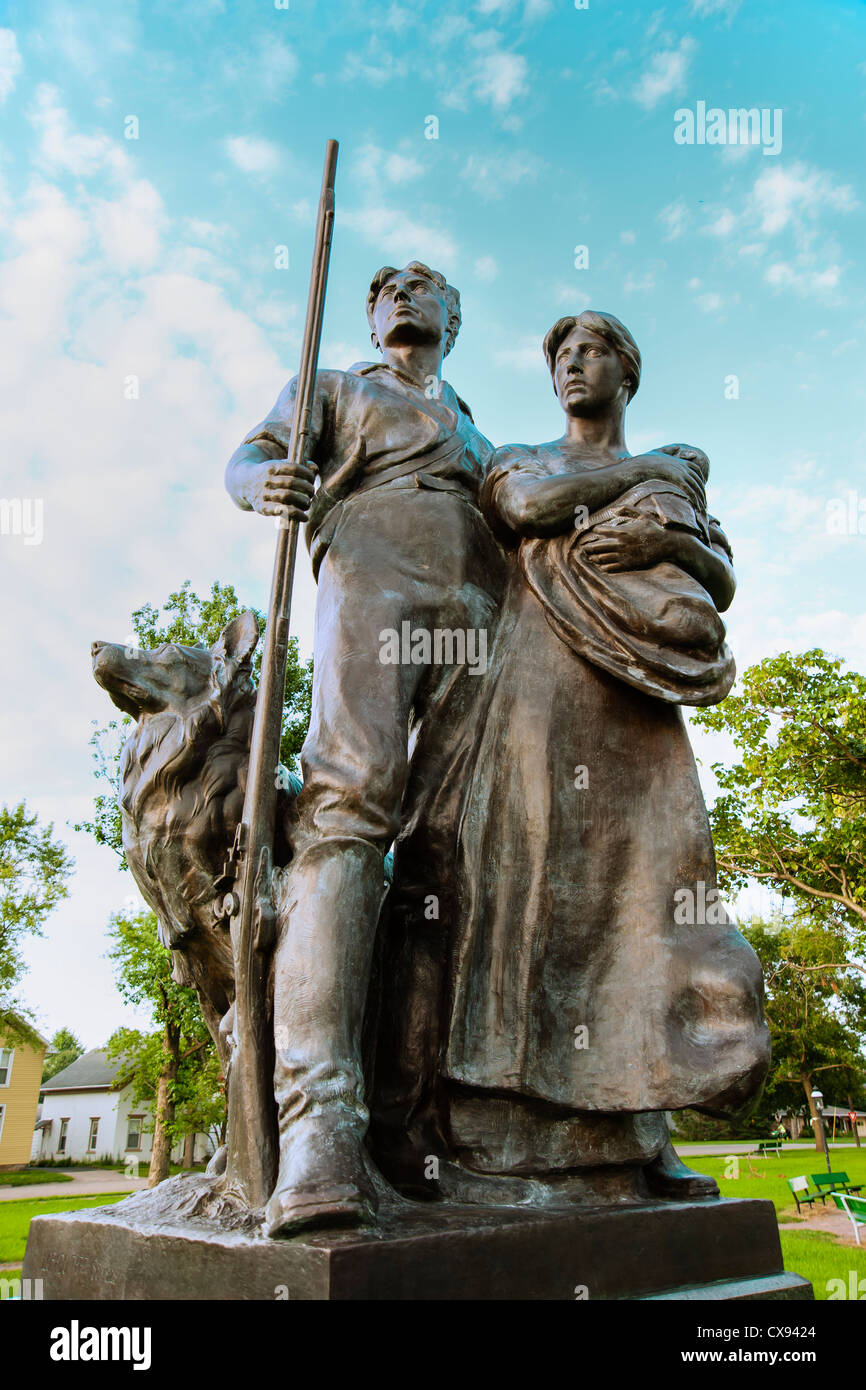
(252, 1131)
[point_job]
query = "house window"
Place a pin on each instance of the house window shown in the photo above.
(133, 1133)
(61, 1142)
(91, 1138)
(2, 1118)
(5, 1066)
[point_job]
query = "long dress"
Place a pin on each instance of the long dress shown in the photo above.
(575, 978)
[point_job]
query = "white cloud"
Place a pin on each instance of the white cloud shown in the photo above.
(666, 73)
(202, 230)
(803, 279)
(789, 203)
(62, 148)
(640, 283)
(533, 9)
(377, 68)
(10, 62)
(709, 302)
(501, 77)
(375, 166)
(783, 197)
(727, 8)
(252, 155)
(394, 233)
(276, 66)
(523, 353)
(724, 225)
(492, 176)
(486, 268)
(674, 218)
(129, 227)
(498, 76)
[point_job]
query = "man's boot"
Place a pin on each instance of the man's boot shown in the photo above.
(328, 913)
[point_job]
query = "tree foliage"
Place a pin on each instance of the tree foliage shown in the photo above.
(792, 809)
(63, 1049)
(34, 874)
(175, 1067)
(193, 622)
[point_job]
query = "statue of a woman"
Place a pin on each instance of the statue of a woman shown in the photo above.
(597, 980)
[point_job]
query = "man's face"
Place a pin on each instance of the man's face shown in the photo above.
(410, 309)
(588, 373)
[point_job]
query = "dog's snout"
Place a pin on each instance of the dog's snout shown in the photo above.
(96, 648)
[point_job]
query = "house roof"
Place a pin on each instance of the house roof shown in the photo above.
(93, 1071)
(25, 1023)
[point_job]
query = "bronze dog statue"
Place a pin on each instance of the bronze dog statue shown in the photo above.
(183, 774)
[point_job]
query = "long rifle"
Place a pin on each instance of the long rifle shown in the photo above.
(252, 1130)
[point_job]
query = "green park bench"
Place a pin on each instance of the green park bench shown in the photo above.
(802, 1195)
(835, 1182)
(769, 1146)
(854, 1208)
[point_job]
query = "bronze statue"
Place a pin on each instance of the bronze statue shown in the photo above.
(567, 765)
(397, 539)
(182, 775)
(502, 641)
(578, 990)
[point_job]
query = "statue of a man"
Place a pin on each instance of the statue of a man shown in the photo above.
(401, 552)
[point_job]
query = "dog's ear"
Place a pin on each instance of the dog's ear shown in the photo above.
(238, 639)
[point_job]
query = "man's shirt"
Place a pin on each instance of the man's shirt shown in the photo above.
(373, 426)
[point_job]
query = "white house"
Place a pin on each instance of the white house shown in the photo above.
(82, 1118)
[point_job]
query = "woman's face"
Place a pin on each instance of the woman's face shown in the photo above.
(588, 373)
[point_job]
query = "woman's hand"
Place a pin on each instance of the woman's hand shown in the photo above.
(632, 543)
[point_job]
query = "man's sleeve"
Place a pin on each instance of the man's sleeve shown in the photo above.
(274, 433)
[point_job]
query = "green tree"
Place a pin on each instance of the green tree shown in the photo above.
(792, 808)
(816, 1010)
(34, 874)
(175, 1067)
(193, 622)
(63, 1049)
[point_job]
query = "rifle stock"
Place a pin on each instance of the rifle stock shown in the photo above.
(252, 1128)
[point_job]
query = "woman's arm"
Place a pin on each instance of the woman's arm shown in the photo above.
(545, 506)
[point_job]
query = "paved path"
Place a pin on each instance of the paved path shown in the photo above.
(84, 1182)
(834, 1222)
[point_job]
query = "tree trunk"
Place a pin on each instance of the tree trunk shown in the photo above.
(817, 1126)
(188, 1150)
(161, 1156)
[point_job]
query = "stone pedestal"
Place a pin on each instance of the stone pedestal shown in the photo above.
(708, 1249)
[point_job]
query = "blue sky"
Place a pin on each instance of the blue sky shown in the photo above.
(154, 258)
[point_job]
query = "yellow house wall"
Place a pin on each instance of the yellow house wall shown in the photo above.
(20, 1097)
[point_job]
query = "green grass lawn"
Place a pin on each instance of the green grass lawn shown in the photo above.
(743, 1175)
(15, 1217)
(816, 1255)
(819, 1258)
(29, 1176)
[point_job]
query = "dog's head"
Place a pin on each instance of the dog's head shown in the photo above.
(190, 703)
(173, 677)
